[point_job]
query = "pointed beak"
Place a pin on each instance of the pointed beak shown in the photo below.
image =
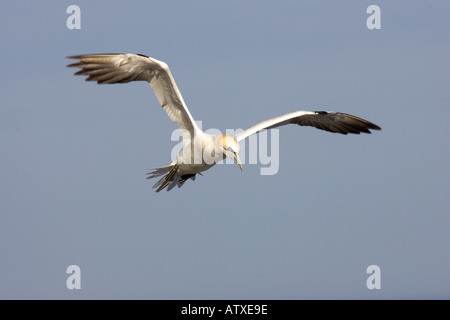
(237, 160)
(235, 157)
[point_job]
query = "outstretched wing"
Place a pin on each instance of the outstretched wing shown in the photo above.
(123, 68)
(330, 121)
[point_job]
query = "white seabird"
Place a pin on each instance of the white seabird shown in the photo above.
(123, 68)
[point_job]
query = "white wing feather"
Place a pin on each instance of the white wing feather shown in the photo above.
(123, 68)
(336, 122)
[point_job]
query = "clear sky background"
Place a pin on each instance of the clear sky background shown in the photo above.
(74, 154)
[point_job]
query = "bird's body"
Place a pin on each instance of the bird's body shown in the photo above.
(200, 150)
(203, 152)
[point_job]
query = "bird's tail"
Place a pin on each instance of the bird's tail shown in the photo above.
(170, 178)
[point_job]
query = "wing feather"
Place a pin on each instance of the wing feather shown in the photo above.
(124, 68)
(336, 122)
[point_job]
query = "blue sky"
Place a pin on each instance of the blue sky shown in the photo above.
(74, 154)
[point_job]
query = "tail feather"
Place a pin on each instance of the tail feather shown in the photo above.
(170, 179)
(159, 172)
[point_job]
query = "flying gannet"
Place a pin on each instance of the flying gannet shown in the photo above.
(200, 151)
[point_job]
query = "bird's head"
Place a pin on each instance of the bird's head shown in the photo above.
(230, 148)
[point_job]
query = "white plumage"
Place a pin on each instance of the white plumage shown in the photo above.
(200, 150)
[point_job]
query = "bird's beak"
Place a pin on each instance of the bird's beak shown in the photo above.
(236, 159)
